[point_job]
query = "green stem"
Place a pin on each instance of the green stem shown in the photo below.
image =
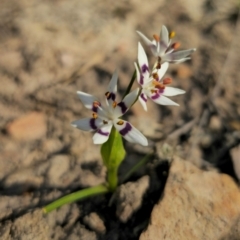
(142, 162)
(113, 165)
(76, 196)
(130, 84)
(112, 178)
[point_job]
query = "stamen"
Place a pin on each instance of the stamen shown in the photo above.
(96, 104)
(167, 81)
(156, 37)
(120, 122)
(114, 104)
(105, 122)
(154, 91)
(155, 76)
(158, 85)
(107, 94)
(175, 45)
(172, 34)
(158, 66)
(94, 115)
(158, 63)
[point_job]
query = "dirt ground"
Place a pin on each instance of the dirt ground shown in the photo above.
(50, 49)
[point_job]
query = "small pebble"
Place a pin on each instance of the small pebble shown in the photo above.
(95, 222)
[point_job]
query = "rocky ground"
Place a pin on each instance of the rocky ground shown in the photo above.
(50, 49)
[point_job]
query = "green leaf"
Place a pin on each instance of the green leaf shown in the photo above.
(139, 164)
(76, 196)
(113, 153)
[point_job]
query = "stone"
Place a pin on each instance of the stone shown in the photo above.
(215, 123)
(79, 232)
(30, 127)
(129, 197)
(21, 181)
(206, 140)
(196, 204)
(95, 222)
(235, 154)
(5, 231)
(12, 205)
(30, 226)
(59, 166)
(52, 145)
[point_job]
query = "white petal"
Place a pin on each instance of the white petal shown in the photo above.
(142, 57)
(180, 61)
(102, 135)
(140, 78)
(143, 62)
(145, 39)
(158, 48)
(164, 101)
(155, 47)
(143, 100)
(131, 98)
(130, 133)
(102, 113)
(112, 87)
(163, 69)
(171, 91)
(86, 99)
(151, 44)
(126, 103)
(164, 39)
(175, 56)
(87, 124)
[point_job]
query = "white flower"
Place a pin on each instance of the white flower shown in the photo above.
(152, 85)
(161, 47)
(105, 117)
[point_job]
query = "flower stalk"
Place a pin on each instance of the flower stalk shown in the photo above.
(113, 153)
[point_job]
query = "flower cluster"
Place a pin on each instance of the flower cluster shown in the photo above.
(153, 85)
(105, 117)
(163, 48)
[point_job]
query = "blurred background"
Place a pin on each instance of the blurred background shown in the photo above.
(51, 49)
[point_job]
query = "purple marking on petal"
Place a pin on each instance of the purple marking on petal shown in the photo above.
(123, 107)
(112, 96)
(126, 129)
(141, 79)
(155, 96)
(144, 68)
(92, 123)
(161, 91)
(103, 133)
(143, 97)
(95, 108)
